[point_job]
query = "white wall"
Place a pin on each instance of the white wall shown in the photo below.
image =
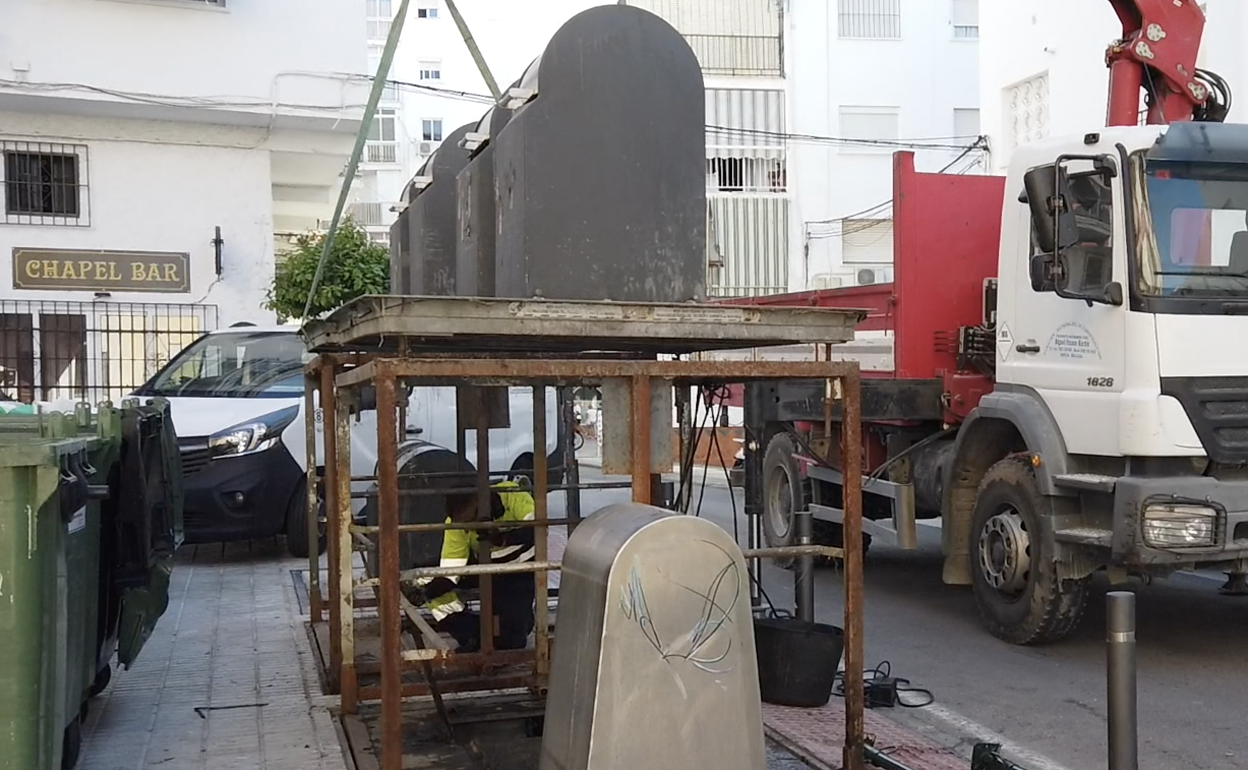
(925, 75)
(165, 196)
(293, 53)
(1066, 39)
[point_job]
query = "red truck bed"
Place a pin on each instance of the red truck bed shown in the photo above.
(946, 235)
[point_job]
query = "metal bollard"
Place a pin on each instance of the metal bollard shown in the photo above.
(1120, 680)
(804, 577)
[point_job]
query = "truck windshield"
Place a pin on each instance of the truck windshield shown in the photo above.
(1192, 228)
(234, 365)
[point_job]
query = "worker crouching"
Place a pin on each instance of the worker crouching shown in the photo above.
(513, 594)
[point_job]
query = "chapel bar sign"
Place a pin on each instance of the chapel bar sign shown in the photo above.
(100, 270)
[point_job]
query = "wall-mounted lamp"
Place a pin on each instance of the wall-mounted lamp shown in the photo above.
(217, 243)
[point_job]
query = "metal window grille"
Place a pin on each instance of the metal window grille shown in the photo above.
(729, 37)
(430, 71)
(91, 351)
(869, 19)
(745, 150)
(45, 183)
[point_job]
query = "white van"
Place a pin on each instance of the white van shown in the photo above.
(237, 400)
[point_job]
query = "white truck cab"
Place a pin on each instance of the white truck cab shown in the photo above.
(237, 400)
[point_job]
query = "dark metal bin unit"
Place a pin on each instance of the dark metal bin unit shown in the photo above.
(600, 174)
(474, 253)
(400, 253)
(430, 219)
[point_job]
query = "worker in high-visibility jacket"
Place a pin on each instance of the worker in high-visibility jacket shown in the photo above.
(512, 593)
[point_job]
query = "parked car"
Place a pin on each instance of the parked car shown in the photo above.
(237, 400)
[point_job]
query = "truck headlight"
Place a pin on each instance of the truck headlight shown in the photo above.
(253, 436)
(1180, 525)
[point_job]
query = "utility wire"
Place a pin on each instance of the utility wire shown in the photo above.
(370, 112)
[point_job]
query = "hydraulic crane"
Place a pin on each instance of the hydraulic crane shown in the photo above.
(1157, 52)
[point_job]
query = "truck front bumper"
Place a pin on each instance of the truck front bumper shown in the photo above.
(1179, 521)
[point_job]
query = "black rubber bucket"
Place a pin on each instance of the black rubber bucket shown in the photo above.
(797, 661)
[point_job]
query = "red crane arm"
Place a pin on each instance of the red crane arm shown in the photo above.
(1157, 52)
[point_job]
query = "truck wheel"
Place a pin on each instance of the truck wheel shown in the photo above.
(1021, 597)
(784, 491)
(297, 524)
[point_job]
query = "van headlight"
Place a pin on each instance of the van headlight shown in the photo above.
(1180, 525)
(252, 436)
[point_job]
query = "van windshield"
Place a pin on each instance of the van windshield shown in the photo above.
(234, 365)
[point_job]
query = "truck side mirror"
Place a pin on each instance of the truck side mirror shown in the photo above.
(1048, 195)
(1043, 267)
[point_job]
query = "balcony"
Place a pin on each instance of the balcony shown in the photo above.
(738, 55)
(381, 152)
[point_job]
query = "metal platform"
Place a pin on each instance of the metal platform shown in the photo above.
(467, 325)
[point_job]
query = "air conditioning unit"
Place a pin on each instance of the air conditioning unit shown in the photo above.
(826, 281)
(868, 276)
(425, 148)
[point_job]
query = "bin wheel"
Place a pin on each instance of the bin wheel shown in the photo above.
(102, 678)
(71, 745)
(297, 524)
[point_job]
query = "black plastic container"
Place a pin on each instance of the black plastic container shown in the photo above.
(797, 661)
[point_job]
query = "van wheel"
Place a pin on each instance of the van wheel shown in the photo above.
(1014, 573)
(297, 523)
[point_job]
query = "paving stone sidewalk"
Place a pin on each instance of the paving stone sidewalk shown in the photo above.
(231, 644)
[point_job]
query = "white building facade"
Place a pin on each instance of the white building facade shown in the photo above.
(1044, 70)
(144, 195)
(867, 78)
(791, 205)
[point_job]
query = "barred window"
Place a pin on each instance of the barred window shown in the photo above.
(869, 19)
(45, 184)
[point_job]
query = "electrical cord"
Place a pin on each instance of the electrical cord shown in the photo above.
(884, 689)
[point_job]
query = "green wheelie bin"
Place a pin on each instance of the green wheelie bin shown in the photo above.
(74, 588)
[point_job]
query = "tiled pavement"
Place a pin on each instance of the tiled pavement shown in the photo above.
(227, 681)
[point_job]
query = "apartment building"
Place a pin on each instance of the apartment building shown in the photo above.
(1044, 68)
(867, 78)
(154, 153)
(790, 204)
(435, 86)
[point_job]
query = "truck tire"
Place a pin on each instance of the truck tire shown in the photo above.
(297, 524)
(785, 490)
(1014, 574)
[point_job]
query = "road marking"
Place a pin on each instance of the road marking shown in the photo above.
(971, 728)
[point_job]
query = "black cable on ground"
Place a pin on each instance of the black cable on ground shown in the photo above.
(882, 689)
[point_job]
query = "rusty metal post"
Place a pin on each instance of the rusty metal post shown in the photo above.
(684, 498)
(640, 412)
(486, 584)
(571, 466)
(341, 571)
(310, 487)
(848, 390)
(540, 491)
(388, 571)
(329, 429)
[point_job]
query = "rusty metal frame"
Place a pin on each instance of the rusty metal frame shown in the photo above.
(338, 377)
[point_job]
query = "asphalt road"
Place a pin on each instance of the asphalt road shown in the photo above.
(1048, 703)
